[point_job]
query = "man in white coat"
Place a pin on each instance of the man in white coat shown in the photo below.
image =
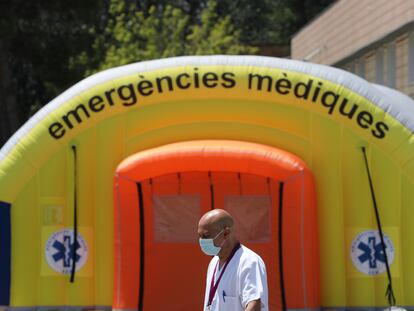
(236, 276)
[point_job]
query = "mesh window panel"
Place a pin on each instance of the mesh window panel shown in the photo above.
(252, 214)
(175, 218)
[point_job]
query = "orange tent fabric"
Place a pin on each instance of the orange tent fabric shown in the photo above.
(152, 267)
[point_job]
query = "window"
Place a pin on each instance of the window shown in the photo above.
(411, 58)
(379, 66)
(361, 68)
(252, 214)
(175, 218)
(391, 77)
(351, 67)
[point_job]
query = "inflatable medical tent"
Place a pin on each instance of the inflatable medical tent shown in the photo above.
(101, 191)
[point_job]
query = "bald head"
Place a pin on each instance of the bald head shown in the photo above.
(214, 221)
(217, 218)
(218, 225)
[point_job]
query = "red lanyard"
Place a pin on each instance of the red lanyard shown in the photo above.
(213, 287)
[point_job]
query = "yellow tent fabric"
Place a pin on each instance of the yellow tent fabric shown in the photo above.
(321, 114)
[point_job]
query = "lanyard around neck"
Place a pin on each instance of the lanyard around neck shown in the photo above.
(213, 287)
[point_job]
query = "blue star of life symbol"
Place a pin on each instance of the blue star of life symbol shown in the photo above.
(371, 252)
(65, 251)
(62, 252)
(368, 255)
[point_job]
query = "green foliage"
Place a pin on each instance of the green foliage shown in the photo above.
(46, 46)
(215, 35)
(38, 38)
(292, 15)
(270, 21)
(133, 35)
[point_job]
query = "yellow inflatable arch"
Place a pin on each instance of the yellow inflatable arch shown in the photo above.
(57, 173)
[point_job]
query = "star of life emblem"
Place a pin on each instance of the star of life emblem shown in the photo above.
(367, 253)
(61, 251)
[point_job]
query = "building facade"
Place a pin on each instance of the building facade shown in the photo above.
(371, 38)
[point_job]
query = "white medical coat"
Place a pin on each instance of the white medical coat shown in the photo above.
(243, 280)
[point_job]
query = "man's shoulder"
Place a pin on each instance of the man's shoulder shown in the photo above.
(213, 262)
(249, 256)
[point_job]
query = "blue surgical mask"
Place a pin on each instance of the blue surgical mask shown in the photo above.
(208, 247)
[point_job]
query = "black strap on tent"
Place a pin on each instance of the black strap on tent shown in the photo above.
(142, 246)
(211, 190)
(75, 214)
(390, 292)
(280, 237)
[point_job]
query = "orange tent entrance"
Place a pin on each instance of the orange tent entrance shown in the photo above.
(161, 193)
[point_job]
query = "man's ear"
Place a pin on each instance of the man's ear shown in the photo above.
(226, 232)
